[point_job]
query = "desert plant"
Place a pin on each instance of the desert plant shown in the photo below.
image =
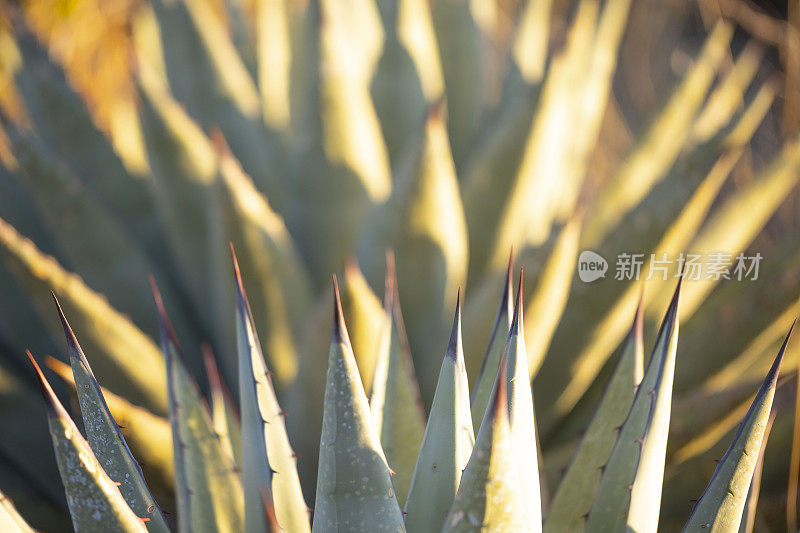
(316, 135)
(460, 482)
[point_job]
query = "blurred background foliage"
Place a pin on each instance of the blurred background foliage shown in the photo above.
(140, 137)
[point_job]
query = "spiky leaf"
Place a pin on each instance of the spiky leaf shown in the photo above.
(720, 507)
(577, 488)
(267, 457)
(105, 438)
(209, 492)
(520, 415)
(482, 392)
(95, 502)
(629, 494)
(749, 513)
(281, 294)
(395, 402)
(447, 442)
(224, 414)
(354, 484)
(148, 435)
(490, 497)
(423, 222)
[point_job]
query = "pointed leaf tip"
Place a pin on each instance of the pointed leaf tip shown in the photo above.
(446, 444)
(672, 311)
(484, 385)
(579, 483)
(92, 496)
(630, 488)
(49, 396)
(350, 498)
(454, 345)
(241, 295)
(339, 327)
(235, 260)
(516, 321)
(104, 437)
(164, 324)
(681, 275)
(265, 449)
(490, 495)
(73, 347)
(772, 376)
(722, 505)
(157, 297)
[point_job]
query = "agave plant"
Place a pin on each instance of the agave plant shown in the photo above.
(315, 136)
(460, 482)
